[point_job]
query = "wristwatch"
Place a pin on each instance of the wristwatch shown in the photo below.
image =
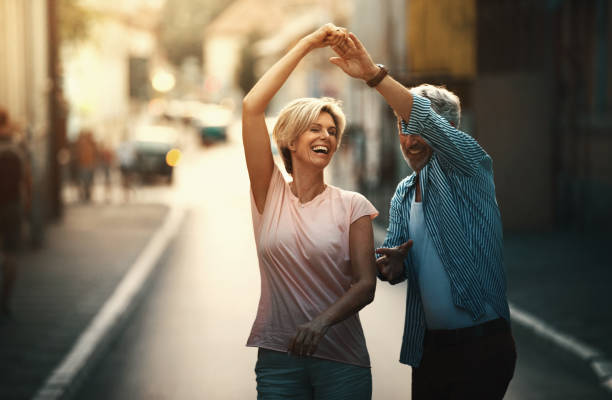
(382, 72)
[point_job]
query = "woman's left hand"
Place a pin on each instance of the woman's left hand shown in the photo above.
(307, 337)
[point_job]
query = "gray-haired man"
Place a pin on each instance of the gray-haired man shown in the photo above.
(445, 238)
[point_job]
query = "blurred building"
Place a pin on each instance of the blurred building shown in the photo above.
(30, 89)
(108, 76)
(250, 35)
(533, 79)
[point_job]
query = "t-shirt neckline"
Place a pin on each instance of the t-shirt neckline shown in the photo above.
(297, 200)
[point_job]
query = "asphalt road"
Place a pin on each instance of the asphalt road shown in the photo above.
(186, 339)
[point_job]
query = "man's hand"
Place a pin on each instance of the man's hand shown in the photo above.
(307, 337)
(391, 264)
(354, 59)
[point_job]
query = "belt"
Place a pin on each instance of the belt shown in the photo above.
(449, 337)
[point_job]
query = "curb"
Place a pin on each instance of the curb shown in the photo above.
(601, 366)
(71, 371)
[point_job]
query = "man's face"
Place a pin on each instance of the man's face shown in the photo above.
(416, 151)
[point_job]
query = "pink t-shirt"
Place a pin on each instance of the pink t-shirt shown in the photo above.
(305, 267)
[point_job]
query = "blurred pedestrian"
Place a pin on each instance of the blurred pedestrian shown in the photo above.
(314, 242)
(107, 158)
(15, 197)
(126, 155)
(457, 333)
(86, 161)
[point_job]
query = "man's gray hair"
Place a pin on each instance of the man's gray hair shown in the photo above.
(444, 102)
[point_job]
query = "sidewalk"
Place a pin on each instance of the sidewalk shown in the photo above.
(62, 286)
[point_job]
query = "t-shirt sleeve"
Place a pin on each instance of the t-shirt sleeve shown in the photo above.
(275, 191)
(361, 206)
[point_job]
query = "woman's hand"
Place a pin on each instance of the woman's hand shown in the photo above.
(327, 35)
(307, 337)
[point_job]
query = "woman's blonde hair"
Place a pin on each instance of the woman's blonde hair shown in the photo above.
(297, 116)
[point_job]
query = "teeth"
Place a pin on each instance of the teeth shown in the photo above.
(414, 151)
(320, 149)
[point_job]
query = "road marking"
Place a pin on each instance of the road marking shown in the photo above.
(71, 370)
(594, 357)
(543, 329)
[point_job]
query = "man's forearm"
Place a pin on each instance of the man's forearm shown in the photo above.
(397, 96)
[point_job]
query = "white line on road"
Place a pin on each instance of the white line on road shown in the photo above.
(71, 369)
(601, 366)
(543, 329)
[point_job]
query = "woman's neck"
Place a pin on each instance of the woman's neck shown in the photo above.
(307, 185)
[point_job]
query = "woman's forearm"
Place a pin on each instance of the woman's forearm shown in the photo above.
(260, 95)
(358, 296)
(363, 268)
(308, 335)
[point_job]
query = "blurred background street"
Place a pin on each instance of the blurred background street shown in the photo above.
(127, 116)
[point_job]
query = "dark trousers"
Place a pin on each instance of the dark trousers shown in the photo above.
(469, 363)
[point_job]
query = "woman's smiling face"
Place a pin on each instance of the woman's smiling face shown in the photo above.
(317, 144)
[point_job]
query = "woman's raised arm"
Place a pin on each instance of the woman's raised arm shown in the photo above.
(255, 138)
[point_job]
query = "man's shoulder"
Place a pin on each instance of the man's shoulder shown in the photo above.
(402, 188)
(403, 185)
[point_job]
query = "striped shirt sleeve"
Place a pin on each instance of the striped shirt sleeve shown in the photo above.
(457, 148)
(398, 221)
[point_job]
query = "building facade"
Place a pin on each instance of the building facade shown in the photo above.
(534, 82)
(108, 76)
(28, 84)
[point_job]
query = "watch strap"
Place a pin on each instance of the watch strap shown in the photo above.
(382, 72)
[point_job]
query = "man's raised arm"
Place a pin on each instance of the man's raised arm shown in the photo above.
(458, 148)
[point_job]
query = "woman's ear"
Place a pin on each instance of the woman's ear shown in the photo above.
(291, 145)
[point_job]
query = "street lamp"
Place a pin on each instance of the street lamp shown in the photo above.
(163, 81)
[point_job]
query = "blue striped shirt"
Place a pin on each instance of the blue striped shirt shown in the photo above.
(461, 217)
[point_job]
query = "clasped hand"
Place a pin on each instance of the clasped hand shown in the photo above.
(327, 35)
(353, 58)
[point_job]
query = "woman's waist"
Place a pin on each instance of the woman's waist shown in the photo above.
(343, 341)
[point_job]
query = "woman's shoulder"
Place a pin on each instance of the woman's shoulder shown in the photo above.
(347, 195)
(355, 203)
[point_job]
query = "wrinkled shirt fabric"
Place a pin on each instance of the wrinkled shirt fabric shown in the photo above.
(305, 267)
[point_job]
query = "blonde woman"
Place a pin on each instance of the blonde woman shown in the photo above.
(314, 244)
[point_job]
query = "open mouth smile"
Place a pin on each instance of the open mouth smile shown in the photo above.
(320, 149)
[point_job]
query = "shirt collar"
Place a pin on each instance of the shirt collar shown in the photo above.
(408, 184)
(411, 180)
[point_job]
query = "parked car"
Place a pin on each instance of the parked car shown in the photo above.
(211, 122)
(153, 144)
